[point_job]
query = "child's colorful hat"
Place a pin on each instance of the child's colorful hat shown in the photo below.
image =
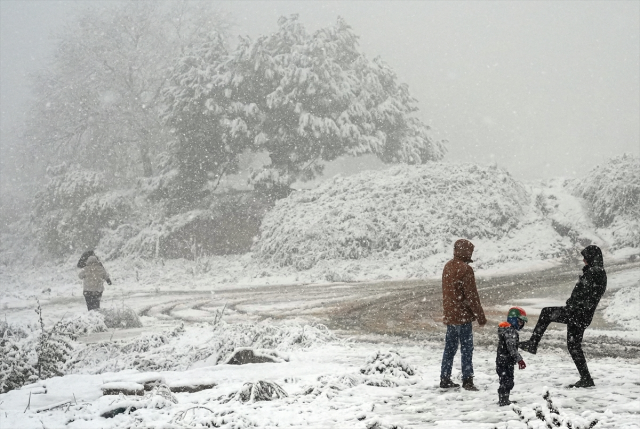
(519, 313)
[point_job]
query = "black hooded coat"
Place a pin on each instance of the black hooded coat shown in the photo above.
(591, 285)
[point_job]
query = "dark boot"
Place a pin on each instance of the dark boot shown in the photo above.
(467, 384)
(446, 383)
(583, 382)
(529, 346)
(503, 399)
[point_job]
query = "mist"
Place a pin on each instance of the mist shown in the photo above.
(540, 89)
(279, 213)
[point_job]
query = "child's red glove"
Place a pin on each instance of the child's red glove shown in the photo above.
(521, 364)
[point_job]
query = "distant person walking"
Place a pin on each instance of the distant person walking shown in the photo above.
(461, 306)
(93, 274)
(576, 314)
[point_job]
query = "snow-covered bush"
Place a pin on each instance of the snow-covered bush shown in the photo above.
(389, 363)
(551, 416)
(612, 191)
(86, 323)
(202, 417)
(416, 211)
(259, 391)
(16, 357)
(122, 317)
(28, 356)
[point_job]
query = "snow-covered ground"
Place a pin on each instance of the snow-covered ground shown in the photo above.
(328, 386)
(323, 242)
(325, 377)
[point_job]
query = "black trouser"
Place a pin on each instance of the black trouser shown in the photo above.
(93, 300)
(504, 368)
(574, 335)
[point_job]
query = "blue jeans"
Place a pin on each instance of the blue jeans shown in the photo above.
(463, 335)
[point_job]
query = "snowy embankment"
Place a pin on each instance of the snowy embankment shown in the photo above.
(322, 383)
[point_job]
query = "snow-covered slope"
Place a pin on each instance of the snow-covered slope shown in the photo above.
(402, 222)
(412, 211)
(612, 194)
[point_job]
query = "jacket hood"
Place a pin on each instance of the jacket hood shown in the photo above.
(593, 255)
(92, 260)
(463, 249)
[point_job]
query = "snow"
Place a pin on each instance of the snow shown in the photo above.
(340, 396)
(624, 307)
(332, 379)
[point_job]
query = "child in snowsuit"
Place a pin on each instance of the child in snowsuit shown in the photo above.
(507, 355)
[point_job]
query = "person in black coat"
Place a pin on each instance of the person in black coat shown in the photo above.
(577, 313)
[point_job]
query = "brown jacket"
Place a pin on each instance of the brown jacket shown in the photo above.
(92, 275)
(460, 300)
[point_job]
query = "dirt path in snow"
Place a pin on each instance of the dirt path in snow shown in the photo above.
(410, 308)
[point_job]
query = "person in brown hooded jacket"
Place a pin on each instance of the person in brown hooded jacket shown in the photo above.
(461, 306)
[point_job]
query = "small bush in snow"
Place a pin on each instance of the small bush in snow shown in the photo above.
(203, 417)
(259, 391)
(16, 363)
(389, 363)
(121, 317)
(86, 323)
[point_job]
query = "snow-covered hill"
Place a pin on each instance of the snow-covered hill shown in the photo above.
(402, 222)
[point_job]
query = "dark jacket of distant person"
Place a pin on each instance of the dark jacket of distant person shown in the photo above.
(460, 299)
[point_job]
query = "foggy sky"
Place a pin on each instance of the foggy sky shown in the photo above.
(543, 89)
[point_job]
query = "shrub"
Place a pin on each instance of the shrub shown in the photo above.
(414, 211)
(122, 317)
(27, 357)
(389, 363)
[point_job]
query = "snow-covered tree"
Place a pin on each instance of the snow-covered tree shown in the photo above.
(74, 208)
(97, 103)
(302, 98)
(202, 147)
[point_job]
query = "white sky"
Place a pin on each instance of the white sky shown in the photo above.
(542, 88)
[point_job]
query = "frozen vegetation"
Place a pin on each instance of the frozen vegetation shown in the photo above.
(130, 148)
(396, 223)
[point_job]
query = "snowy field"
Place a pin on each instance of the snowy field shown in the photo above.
(328, 380)
(329, 386)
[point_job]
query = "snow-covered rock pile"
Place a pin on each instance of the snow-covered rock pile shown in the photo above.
(408, 211)
(612, 191)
